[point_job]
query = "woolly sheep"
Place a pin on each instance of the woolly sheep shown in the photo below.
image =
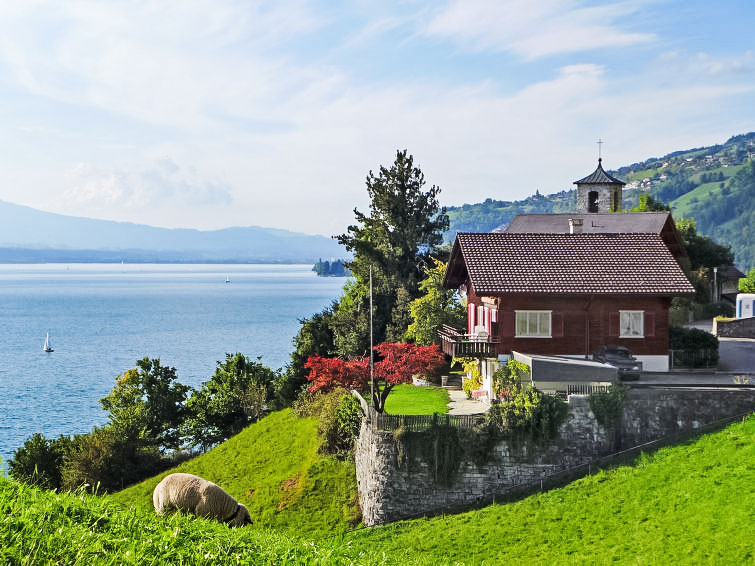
(189, 493)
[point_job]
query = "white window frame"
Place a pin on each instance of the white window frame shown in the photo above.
(631, 324)
(539, 320)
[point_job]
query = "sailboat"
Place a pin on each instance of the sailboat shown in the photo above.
(47, 347)
(227, 280)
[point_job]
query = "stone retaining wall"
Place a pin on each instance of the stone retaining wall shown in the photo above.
(738, 328)
(389, 492)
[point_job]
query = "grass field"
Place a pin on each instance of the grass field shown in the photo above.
(688, 504)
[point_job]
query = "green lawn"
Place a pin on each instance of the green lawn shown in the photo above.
(406, 399)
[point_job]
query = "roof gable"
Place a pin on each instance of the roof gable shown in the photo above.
(581, 264)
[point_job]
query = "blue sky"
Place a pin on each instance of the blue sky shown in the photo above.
(215, 113)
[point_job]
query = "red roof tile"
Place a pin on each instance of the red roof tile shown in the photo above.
(627, 263)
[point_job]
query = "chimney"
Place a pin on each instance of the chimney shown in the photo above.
(575, 225)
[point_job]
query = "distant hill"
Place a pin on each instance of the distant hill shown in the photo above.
(714, 185)
(29, 235)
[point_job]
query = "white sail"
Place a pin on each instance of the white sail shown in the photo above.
(47, 347)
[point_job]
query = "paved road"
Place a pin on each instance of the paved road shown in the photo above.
(736, 355)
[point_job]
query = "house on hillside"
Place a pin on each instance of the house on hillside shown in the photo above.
(566, 284)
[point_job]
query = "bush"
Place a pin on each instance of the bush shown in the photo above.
(691, 339)
(528, 413)
(507, 379)
(607, 406)
(39, 461)
(339, 426)
(101, 461)
(339, 417)
(473, 381)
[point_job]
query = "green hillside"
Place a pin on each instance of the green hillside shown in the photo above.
(714, 185)
(273, 468)
(688, 504)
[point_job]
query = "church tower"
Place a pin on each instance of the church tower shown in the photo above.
(599, 192)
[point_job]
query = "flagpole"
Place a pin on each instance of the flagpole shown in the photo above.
(372, 373)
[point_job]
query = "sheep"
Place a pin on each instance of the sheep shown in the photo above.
(190, 493)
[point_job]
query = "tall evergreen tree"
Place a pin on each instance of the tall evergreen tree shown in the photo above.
(404, 225)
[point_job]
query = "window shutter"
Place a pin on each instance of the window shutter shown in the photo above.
(613, 324)
(649, 324)
(557, 325)
(508, 322)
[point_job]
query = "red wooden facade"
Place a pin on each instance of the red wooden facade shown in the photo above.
(579, 325)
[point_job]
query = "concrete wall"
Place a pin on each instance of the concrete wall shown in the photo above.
(740, 328)
(389, 492)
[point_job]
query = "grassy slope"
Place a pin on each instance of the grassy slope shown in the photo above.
(42, 527)
(273, 468)
(690, 504)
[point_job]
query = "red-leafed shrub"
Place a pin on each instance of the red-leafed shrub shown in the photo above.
(395, 362)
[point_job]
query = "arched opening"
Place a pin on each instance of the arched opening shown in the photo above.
(592, 201)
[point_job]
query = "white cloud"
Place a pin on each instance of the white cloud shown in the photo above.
(680, 64)
(164, 63)
(162, 184)
(535, 29)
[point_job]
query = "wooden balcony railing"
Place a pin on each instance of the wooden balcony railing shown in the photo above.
(459, 345)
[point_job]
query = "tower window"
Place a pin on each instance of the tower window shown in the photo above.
(592, 201)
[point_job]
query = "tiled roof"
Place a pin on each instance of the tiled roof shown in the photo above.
(599, 176)
(608, 222)
(580, 264)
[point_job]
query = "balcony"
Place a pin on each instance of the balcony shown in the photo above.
(459, 345)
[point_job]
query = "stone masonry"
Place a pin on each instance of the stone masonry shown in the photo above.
(389, 493)
(739, 328)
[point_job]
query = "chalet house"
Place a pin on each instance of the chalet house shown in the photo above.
(565, 284)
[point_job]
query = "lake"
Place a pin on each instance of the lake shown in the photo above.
(103, 317)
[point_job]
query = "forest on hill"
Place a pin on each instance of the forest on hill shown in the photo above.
(714, 185)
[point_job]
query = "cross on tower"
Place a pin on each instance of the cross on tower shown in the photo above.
(600, 142)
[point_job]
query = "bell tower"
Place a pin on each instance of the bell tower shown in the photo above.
(599, 192)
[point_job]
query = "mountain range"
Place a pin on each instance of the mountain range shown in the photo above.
(29, 235)
(714, 185)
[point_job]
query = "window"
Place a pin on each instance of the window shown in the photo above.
(631, 324)
(592, 201)
(533, 324)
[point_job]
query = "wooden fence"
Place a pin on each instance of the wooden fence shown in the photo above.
(382, 421)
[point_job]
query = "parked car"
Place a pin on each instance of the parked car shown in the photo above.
(621, 358)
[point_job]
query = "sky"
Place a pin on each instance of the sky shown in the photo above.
(209, 114)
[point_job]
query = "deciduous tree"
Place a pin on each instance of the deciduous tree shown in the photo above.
(147, 404)
(395, 363)
(747, 284)
(436, 307)
(231, 400)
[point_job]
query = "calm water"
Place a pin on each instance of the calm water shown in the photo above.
(102, 318)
